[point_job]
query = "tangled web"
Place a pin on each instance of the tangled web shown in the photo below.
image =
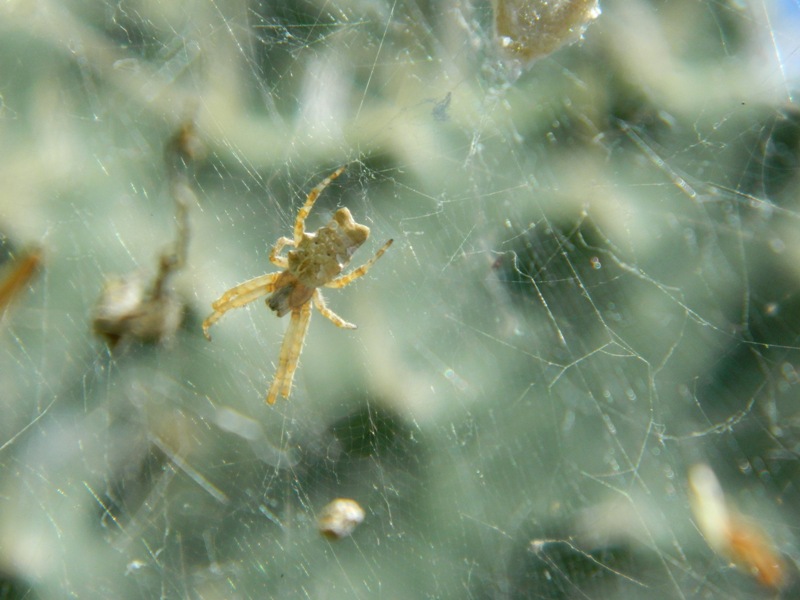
(574, 371)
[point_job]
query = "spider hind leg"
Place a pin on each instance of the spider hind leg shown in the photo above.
(291, 348)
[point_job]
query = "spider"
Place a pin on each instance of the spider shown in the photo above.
(317, 261)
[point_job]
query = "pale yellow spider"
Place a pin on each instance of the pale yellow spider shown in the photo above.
(316, 262)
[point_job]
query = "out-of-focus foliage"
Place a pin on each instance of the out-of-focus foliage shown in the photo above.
(593, 286)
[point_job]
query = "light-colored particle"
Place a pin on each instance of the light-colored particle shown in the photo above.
(339, 518)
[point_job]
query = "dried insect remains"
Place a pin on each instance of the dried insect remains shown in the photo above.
(132, 307)
(317, 261)
(742, 541)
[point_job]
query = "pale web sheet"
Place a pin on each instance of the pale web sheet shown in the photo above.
(592, 291)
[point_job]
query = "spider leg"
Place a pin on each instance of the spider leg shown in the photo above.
(342, 281)
(242, 294)
(300, 222)
(280, 261)
(326, 312)
(290, 353)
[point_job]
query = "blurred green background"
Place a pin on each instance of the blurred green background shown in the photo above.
(593, 286)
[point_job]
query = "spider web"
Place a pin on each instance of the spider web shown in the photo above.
(593, 287)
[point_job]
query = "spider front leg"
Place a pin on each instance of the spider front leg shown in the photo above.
(280, 261)
(342, 281)
(300, 222)
(242, 294)
(291, 348)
